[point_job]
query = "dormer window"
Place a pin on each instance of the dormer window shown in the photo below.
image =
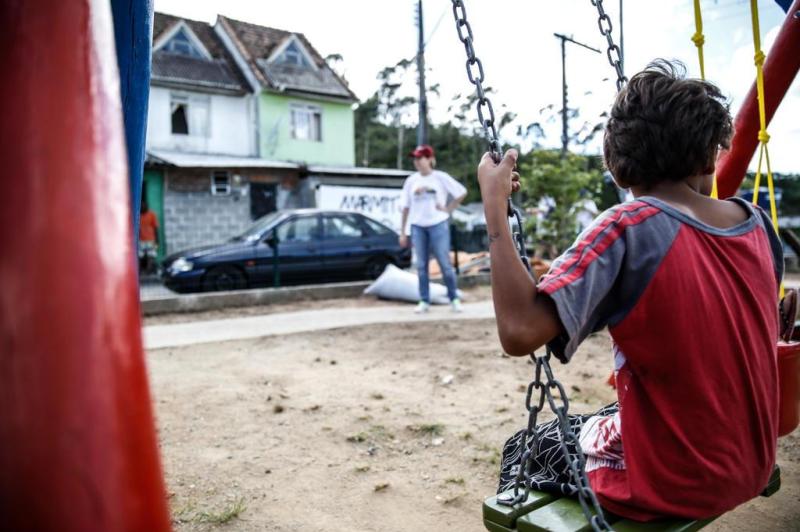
(181, 44)
(292, 52)
(293, 55)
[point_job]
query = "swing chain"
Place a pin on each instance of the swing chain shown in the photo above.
(613, 52)
(476, 76)
(544, 391)
(484, 105)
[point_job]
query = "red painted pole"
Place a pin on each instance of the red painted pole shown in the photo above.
(780, 69)
(78, 450)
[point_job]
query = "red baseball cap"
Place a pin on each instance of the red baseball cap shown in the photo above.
(423, 150)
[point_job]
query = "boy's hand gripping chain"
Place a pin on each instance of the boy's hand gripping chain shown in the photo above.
(576, 461)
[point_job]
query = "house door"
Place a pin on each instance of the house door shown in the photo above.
(153, 193)
(262, 199)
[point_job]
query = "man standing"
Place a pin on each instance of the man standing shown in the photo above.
(148, 239)
(425, 206)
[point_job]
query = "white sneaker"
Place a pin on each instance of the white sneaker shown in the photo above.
(422, 307)
(455, 305)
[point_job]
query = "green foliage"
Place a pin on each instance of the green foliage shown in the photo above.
(546, 173)
(385, 127)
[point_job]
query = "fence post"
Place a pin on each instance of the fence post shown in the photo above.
(276, 272)
(454, 238)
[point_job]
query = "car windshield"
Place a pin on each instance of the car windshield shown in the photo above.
(257, 229)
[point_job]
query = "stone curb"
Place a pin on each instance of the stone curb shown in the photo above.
(268, 296)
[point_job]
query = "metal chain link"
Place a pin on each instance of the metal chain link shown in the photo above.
(486, 115)
(613, 53)
(576, 460)
(484, 104)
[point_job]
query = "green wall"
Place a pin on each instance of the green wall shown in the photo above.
(338, 139)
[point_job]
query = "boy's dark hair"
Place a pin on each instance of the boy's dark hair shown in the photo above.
(664, 127)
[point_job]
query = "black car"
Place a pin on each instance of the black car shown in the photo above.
(312, 246)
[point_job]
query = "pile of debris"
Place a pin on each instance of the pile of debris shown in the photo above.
(473, 263)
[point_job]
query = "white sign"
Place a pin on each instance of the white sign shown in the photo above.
(382, 204)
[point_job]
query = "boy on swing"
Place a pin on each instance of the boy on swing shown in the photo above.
(686, 285)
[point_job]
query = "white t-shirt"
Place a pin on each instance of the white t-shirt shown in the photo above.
(423, 193)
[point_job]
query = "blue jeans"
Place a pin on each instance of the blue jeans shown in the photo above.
(435, 239)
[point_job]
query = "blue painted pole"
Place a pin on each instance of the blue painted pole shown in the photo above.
(133, 33)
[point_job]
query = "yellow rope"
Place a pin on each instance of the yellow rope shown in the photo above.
(699, 40)
(763, 136)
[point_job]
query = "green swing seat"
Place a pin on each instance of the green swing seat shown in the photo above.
(546, 512)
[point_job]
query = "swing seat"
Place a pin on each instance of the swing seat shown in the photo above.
(546, 512)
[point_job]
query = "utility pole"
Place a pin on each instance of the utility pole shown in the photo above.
(564, 119)
(422, 129)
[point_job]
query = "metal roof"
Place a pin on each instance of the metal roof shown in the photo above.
(206, 160)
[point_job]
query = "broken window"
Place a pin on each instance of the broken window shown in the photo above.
(180, 124)
(189, 115)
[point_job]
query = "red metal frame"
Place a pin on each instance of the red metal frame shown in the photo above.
(780, 69)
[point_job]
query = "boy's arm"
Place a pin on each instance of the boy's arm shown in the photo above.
(526, 320)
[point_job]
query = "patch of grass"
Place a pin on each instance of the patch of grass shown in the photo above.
(362, 469)
(187, 514)
(466, 436)
(183, 514)
(375, 432)
(429, 429)
(377, 396)
(493, 458)
(379, 431)
(227, 514)
(358, 438)
(455, 480)
(381, 487)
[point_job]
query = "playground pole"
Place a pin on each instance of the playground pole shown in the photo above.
(780, 69)
(133, 35)
(78, 449)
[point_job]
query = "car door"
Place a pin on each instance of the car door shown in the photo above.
(346, 245)
(299, 246)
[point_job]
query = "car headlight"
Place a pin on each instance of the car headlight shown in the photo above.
(181, 265)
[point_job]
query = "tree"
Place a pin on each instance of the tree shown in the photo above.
(544, 173)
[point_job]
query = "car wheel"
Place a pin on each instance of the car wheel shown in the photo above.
(224, 278)
(375, 267)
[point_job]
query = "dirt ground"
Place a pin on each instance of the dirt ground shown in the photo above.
(378, 428)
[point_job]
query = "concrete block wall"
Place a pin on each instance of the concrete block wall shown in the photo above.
(194, 217)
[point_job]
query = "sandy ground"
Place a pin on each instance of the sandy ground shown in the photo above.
(356, 430)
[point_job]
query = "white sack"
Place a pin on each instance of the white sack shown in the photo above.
(395, 283)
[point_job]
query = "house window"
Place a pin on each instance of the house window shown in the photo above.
(180, 123)
(306, 122)
(189, 115)
(220, 183)
(293, 55)
(181, 44)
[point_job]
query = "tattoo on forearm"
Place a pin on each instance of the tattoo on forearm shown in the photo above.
(494, 237)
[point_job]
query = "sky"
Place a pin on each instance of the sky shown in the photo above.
(521, 56)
